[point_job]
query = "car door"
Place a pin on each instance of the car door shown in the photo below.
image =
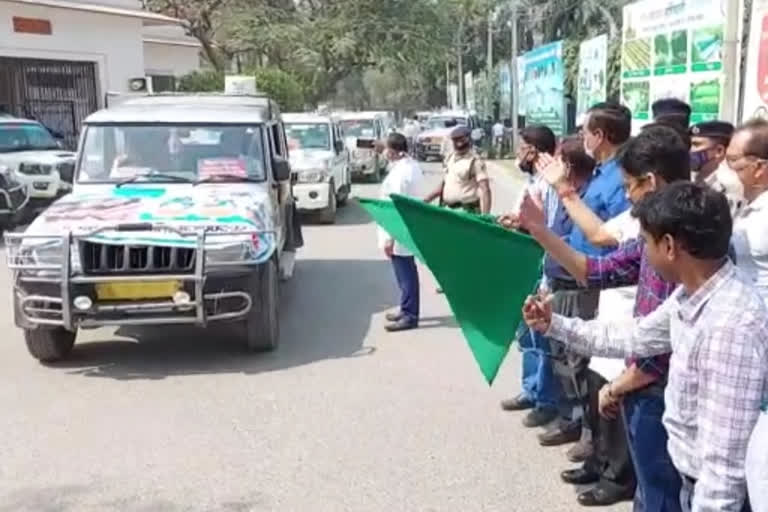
(279, 192)
(337, 165)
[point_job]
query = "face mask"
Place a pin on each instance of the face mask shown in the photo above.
(526, 167)
(461, 145)
(699, 159)
(590, 152)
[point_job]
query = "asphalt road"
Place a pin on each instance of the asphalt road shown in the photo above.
(343, 417)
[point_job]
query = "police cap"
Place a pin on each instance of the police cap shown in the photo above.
(460, 132)
(713, 129)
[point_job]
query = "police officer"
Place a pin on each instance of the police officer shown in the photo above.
(672, 111)
(709, 141)
(465, 184)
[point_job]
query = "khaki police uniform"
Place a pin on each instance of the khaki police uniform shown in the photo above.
(463, 174)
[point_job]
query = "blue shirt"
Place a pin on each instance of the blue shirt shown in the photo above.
(606, 197)
(562, 226)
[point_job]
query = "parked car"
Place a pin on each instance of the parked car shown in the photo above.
(36, 158)
(431, 142)
(182, 212)
(14, 198)
(320, 163)
(365, 162)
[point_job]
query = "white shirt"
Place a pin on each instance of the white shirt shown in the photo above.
(750, 242)
(405, 178)
(498, 130)
(411, 129)
(616, 302)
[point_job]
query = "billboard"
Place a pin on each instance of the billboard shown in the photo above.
(673, 48)
(756, 76)
(543, 87)
(591, 88)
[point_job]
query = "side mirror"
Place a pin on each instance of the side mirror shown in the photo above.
(338, 145)
(281, 169)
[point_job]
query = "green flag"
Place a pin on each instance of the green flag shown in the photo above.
(385, 215)
(485, 271)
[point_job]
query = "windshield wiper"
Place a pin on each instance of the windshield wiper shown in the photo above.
(227, 177)
(154, 174)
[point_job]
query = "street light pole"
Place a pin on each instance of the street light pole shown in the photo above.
(489, 63)
(513, 74)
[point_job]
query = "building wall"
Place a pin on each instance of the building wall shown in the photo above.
(170, 59)
(113, 42)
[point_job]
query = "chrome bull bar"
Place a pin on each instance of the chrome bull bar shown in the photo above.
(37, 309)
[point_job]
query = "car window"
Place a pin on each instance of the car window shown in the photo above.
(308, 136)
(113, 153)
(25, 137)
(359, 128)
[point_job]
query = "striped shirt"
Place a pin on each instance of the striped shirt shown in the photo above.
(718, 375)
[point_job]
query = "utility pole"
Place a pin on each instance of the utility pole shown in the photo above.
(489, 63)
(513, 74)
(460, 62)
(447, 84)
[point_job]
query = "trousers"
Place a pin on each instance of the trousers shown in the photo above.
(658, 481)
(407, 276)
(569, 367)
(539, 382)
(757, 465)
(610, 458)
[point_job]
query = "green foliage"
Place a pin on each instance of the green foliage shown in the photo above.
(282, 87)
(201, 81)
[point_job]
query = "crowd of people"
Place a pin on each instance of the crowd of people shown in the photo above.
(646, 343)
(656, 252)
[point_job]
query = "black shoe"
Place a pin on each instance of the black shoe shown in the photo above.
(603, 497)
(401, 325)
(580, 451)
(519, 403)
(539, 417)
(557, 437)
(579, 476)
(393, 317)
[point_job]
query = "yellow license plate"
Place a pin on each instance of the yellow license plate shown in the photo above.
(137, 290)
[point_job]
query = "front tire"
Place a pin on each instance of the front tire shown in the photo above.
(49, 345)
(328, 215)
(262, 324)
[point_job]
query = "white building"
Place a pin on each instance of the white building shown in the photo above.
(59, 58)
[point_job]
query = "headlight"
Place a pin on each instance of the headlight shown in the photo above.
(234, 253)
(311, 176)
(35, 169)
(48, 254)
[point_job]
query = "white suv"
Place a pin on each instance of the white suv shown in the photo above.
(320, 163)
(35, 157)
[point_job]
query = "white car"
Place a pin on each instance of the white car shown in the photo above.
(320, 164)
(433, 141)
(366, 126)
(35, 158)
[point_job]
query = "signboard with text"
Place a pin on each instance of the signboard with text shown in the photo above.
(543, 86)
(591, 87)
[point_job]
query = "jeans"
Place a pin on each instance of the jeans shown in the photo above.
(757, 465)
(407, 276)
(658, 481)
(539, 382)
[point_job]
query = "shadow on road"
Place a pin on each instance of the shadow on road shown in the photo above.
(350, 214)
(322, 317)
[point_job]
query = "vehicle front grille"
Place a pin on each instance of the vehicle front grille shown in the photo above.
(100, 258)
(66, 171)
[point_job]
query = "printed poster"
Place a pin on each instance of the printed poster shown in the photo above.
(673, 48)
(543, 82)
(756, 76)
(593, 57)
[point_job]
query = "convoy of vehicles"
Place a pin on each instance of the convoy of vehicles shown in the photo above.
(182, 212)
(364, 126)
(320, 162)
(432, 141)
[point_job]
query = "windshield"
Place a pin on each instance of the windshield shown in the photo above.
(308, 136)
(439, 122)
(358, 128)
(172, 153)
(25, 137)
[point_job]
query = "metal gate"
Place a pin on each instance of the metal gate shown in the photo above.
(58, 94)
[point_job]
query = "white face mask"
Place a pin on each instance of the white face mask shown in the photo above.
(590, 152)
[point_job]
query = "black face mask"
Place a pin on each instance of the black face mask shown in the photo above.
(461, 145)
(526, 167)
